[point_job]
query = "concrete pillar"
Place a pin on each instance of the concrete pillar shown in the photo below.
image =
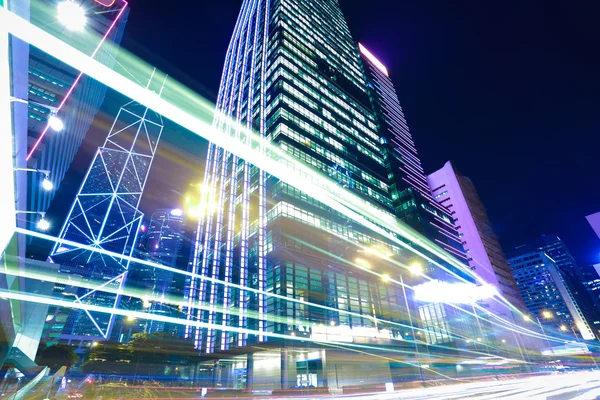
(216, 375)
(285, 372)
(249, 371)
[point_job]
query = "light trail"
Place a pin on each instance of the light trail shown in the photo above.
(243, 143)
(185, 322)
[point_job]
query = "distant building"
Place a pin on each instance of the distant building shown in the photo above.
(163, 243)
(458, 194)
(546, 294)
(594, 221)
(572, 273)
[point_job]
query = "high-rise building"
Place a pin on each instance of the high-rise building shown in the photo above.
(294, 74)
(162, 243)
(572, 273)
(547, 295)
(594, 221)
(408, 186)
(42, 87)
(105, 217)
(459, 196)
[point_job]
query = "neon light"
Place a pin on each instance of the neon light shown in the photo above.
(64, 100)
(373, 59)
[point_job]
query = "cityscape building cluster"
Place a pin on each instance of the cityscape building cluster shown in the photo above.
(274, 289)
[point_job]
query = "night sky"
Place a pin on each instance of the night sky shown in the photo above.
(507, 90)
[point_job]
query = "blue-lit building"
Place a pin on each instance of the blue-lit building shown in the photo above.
(547, 296)
(573, 274)
(163, 243)
(77, 98)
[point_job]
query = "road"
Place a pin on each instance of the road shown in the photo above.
(572, 386)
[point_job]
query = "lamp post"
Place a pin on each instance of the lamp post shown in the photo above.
(42, 224)
(47, 184)
(54, 122)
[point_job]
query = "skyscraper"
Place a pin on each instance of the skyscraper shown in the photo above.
(163, 243)
(105, 217)
(458, 195)
(572, 273)
(546, 294)
(294, 74)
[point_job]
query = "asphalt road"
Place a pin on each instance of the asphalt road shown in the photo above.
(571, 386)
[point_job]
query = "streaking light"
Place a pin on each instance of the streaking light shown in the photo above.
(436, 291)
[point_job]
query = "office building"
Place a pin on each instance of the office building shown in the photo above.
(459, 196)
(547, 296)
(294, 74)
(105, 216)
(162, 243)
(41, 88)
(572, 273)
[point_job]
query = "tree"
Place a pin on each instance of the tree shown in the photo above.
(57, 356)
(156, 354)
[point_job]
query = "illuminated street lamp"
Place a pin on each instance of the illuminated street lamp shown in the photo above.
(42, 224)
(416, 269)
(47, 184)
(71, 15)
(547, 314)
(53, 120)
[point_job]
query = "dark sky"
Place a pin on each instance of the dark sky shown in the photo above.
(507, 90)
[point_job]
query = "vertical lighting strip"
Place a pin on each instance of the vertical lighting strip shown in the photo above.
(244, 235)
(262, 218)
(78, 78)
(234, 178)
(211, 177)
(210, 338)
(7, 202)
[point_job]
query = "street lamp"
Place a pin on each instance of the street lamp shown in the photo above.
(42, 224)
(47, 184)
(71, 15)
(54, 122)
(416, 269)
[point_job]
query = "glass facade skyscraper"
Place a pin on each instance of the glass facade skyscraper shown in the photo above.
(294, 74)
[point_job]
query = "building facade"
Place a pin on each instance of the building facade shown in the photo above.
(547, 295)
(277, 265)
(459, 196)
(572, 273)
(75, 98)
